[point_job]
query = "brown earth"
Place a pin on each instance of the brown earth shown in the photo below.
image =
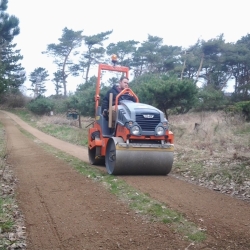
(65, 210)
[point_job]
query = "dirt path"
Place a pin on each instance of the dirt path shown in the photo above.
(65, 210)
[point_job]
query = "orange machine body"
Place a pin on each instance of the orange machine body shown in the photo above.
(114, 145)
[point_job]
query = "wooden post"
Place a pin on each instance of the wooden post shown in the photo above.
(79, 118)
(110, 109)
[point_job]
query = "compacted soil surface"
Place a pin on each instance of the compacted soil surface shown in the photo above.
(66, 210)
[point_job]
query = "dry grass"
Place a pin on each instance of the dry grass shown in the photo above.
(61, 119)
(213, 149)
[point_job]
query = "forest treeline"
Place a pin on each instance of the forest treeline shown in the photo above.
(165, 76)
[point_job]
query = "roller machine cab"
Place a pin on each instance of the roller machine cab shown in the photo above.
(136, 141)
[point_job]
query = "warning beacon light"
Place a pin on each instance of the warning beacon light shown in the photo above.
(114, 59)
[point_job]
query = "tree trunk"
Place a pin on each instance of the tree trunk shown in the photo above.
(79, 119)
(64, 74)
(87, 73)
(224, 84)
(201, 63)
(65, 87)
(184, 65)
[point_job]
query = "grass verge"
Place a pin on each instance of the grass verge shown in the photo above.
(57, 126)
(12, 233)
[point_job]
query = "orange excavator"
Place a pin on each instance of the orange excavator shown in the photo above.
(137, 141)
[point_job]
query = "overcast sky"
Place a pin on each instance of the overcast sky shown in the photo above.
(178, 22)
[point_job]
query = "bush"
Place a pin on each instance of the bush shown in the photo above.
(245, 108)
(14, 100)
(61, 105)
(240, 108)
(211, 99)
(41, 105)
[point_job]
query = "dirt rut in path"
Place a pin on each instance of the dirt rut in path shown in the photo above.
(227, 220)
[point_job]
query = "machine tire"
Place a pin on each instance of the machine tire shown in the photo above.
(110, 158)
(92, 157)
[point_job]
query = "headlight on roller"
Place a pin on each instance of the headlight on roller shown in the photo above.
(159, 131)
(135, 130)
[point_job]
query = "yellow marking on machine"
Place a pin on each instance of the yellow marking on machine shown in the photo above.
(133, 147)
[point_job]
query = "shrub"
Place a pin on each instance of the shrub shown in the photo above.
(210, 99)
(41, 105)
(239, 108)
(14, 100)
(61, 105)
(245, 108)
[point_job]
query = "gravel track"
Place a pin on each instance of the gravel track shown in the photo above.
(65, 210)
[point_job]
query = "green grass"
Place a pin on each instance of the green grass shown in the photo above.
(66, 133)
(26, 116)
(63, 132)
(6, 222)
(6, 203)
